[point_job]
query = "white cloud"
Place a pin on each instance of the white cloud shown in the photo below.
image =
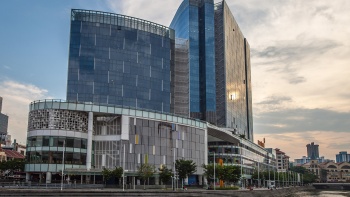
(158, 11)
(16, 99)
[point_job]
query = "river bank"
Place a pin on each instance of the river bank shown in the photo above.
(283, 192)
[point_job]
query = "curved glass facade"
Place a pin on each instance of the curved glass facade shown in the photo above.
(120, 60)
(49, 150)
(194, 20)
(145, 136)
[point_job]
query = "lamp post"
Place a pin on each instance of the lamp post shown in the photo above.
(214, 172)
(268, 163)
(174, 172)
(64, 146)
(123, 166)
(258, 175)
(241, 164)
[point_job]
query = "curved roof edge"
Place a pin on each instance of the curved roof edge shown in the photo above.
(122, 20)
(115, 109)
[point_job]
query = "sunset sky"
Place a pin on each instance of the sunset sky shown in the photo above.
(300, 56)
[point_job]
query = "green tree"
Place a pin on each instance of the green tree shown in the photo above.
(117, 172)
(12, 165)
(229, 173)
(208, 171)
(112, 174)
(308, 177)
(145, 171)
(107, 174)
(256, 177)
(185, 168)
(165, 174)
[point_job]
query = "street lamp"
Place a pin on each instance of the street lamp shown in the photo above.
(258, 174)
(241, 164)
(214, 172)
(123, 166)
(174, 172)
(64, 146)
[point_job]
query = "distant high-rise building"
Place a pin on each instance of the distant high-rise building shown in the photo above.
(312, 151)
(3, 124)
(120, 60)
(343, 156)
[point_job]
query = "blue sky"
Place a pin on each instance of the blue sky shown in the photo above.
(299, 54)
(34, 41)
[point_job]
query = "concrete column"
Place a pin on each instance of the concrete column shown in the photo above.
(205, 181)
(88, 178)
(27, 177)
(156, 180)
(133, 181)
(89, 141)
(200, 179)
(48, 177)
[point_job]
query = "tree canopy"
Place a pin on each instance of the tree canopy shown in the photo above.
(185, 168)
(12, 165)
(165, 174)
(146, 171)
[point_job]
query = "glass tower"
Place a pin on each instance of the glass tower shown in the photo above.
(220, 80)
(194, 21)
(312, 151)
(3, 124)
(120, 60)
(233, 79)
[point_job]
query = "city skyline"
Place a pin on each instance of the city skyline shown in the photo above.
(291, 103)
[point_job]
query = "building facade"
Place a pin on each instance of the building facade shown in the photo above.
(120, 60)
(137, 95)
(194, 21)
(181, 78)
(3, 125)
(343, 156)
(220, 79)
(282, 161)
(312, 151)
(233, 78)
(90, 137)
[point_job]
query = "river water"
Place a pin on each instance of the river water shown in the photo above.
(321, 193)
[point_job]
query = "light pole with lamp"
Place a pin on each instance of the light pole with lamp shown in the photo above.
(241, 164)
(214, 172)
(258, 174)
(64, 146)
(174, 171)
(123, 166)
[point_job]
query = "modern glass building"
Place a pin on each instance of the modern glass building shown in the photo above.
(136, 95)
(233, 74)
(120, 60)
(181, 78)
(3, 124)
(343, 156)
(312, 151)
(83, 138)
(194, 21)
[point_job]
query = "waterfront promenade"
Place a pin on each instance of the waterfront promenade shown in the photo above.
(263, 192)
